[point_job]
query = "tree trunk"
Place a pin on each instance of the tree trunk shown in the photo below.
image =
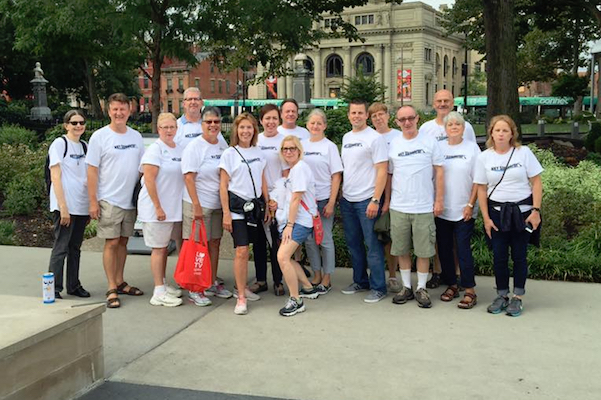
(501, 60)
(96, 110)
(577, 106)
(598, 108)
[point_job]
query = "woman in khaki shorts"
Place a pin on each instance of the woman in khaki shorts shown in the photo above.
(200, 166)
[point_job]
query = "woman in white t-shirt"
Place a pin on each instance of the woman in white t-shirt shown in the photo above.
(243, 190)
(68, 202)
(300, 208)
(510, 192)
(322, 155)
(160, 205)
(455, 226)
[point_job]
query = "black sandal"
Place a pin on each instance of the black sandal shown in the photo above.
(132, 291)
(113, 302)
(450, 293)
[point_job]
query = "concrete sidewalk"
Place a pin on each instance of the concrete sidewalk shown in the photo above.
(340, 348)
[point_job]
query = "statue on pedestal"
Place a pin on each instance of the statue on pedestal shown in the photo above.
(40, 110)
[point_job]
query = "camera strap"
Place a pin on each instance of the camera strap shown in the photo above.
(249, 171)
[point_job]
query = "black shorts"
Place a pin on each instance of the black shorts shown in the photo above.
(243, 234)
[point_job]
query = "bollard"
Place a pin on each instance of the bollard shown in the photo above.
(541, 127)
(575, 130)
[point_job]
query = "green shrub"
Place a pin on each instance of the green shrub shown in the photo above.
(592, 136)
(585, 116)
(594, 158)
(14, 135)
(19, 159)
(54, 132)
(598, 145)
(7, 233)
(24, 194)
(91, 229)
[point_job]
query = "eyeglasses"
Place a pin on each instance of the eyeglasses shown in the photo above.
(75, 123)
(285, 149)
(193, 99)
(211, 121)
(405, 119)
(168, 128)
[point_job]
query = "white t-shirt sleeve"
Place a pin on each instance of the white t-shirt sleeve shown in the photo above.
(469, 133)
(56, 151)
(190, 159)
(94, 150)
(480, 170)
(533, 166)
(152, 156)
(225, 163)
(334, 159)
(379, 150)
(437, 156)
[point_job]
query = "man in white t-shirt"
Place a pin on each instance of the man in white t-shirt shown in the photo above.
(113, 159)
(365, 161)
(417, 187)
(289, 111)
(189, 125)
(443, 105)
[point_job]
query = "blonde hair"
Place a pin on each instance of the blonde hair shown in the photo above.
(514, 141)
(165, 116)
(376, 107)
(234, 140)
(297, 143)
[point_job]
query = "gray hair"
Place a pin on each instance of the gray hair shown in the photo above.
(212, 111)
(319, 112)
(192, 89)
(454, 116)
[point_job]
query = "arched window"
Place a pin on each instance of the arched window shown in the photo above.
(334, 66)
(309, 65)
(445, 70)
(437, 63)
(454, 66)
(365, 61)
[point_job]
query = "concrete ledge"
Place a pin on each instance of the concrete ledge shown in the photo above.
(48, 351)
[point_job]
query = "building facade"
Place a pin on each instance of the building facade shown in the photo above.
(405, 45)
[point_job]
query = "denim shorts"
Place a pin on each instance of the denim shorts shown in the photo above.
(300, 233)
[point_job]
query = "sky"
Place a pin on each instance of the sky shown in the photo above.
(433, 3)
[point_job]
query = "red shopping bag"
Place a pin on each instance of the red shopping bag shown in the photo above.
(317, 225)
(193, 269)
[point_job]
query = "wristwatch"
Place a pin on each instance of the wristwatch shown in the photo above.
(536, 209)
(470, 205)
(375, 200)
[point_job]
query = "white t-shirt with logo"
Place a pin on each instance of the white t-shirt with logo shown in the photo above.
(117, 157)
(169, 183)
(74, 175)
(438, 131)
(270, 147)
(389, 136)
(411, 163)
(459, 167)
(515, 185)
(323, 158)
(301, 180)
(202, 158)
(297, 131)
(361, 151)
(187, 131)
(241, 183)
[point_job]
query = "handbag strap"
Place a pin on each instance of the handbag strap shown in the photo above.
(203, 232)
(502, 176)
(307, 209)
(249, 171)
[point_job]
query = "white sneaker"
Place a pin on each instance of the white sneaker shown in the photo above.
(250, 296)
(173, 292)
(219, 291)
(199, 299)
(165, 300)
(240, 308)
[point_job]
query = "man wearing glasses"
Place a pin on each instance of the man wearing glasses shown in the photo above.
(415, 171)
(189, 125)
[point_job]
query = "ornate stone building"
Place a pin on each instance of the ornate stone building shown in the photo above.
(405, 44)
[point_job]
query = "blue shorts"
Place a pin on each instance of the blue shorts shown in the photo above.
(300, 233)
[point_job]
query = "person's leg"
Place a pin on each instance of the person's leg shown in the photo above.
(519, 249)
(60, 250)
(121, 256)
(400, 232)
(314, 256)
(158, 265)
(375, 251)
(391, 261)
(500, 248)
(463, 236)
(328, 249)
(285, 253)
(241, 270)
(109, 260)
(260, 253)
(78, 228)
(276, 270)
(444, 238)
(355, 243)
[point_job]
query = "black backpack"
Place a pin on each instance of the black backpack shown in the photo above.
(47, 177)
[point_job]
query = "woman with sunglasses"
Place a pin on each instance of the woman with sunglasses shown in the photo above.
(300, 207)
(68, 202)
(200, 166)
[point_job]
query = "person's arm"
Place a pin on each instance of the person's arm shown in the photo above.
(328, 210)
(150, 177)
(439, 182)
(537, 198)
(57, 184)
(190, 182)
(483, 202)
(265, 192)
(292, 213)
(381, 177)
(93, 191)
(224, 182)
(387, 194)
(468, 210)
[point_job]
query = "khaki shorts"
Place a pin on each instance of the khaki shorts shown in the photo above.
(213, 221)
(115, 221)
(418, 230)
(158, 234)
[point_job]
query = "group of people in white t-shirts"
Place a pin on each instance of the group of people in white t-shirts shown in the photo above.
(404, 192)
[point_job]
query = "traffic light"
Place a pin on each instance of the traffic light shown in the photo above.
(464, 69)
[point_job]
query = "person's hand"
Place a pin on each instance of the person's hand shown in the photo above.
(267, 217)
(372, 210)
(227, 222)
(94, 210)
(197, 210)
(534, 219)
(273, 205)
(161, 216)
(385, 207)
(328, 210)
(438, 208)
(287, 234)
(65, 216)
(489, 226)
(468, 212)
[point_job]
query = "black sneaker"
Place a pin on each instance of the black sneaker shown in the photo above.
(292, 307)
(423, 298)
(310, 293)
(403, 296)
(323, 289)
(57, 295)
(434, 282)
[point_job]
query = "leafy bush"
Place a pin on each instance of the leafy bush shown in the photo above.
(14, 134)
(14, 112)
(91, 229)
(7, 233)
(592, 136)
(24, 194)
(598, 145)
(54, 132)
(594, 158)
(585, 116)
(17, 160)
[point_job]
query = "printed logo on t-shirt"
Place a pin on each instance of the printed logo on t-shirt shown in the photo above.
(451, 157)
(313, 153)
(126, 146)
(192, 135)
(351, 145)
(268, 148)
(503, 168)
(176, 159)
(441, 138)
(410, 153)
(252, 160)
(216, 157)
(77, 156)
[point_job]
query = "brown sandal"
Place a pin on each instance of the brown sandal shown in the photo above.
(113, 302)
(450, 293)
(466, 305)
(132, 291)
